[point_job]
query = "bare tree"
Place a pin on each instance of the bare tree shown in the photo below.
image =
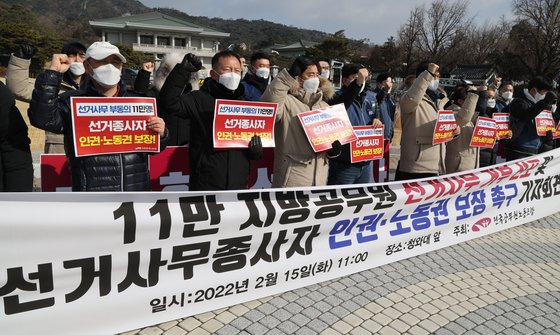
(444, 20)
(409, 33)
(535, 38)
(482, 44)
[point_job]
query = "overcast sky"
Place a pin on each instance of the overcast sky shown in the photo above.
(375, 20)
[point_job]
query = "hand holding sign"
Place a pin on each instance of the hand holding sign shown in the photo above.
(157, 124)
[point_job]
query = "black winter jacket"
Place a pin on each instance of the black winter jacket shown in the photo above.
(110, 172)
(210, 169)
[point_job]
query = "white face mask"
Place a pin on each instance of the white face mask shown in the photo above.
(491, 103)
(230, 80)
(507, 95)
(553, 109)
(107, 75)
(325, 74)
(311, 85)
(77, 68)
(538, 97)
(262, 72)
(434, 85)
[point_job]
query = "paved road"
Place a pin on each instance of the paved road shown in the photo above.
(507, 283)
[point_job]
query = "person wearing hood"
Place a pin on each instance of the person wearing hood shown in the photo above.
(50, 111)
(525, 142)
(17, 80)
(297, 90)
(258, 77)
(179, 128)
(210, 168)
(419, 112)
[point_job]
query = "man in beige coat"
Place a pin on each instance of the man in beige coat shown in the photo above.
(419, 112)
(298, 90)
(460, 156)
(17, 80)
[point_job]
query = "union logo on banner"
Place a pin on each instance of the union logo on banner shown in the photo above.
(113, 125)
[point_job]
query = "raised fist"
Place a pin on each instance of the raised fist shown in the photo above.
(191, 63)
(25, 51)
(60, 63)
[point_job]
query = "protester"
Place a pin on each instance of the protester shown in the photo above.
(298, 90)
(17, 79)
(459, 155)
(257, 78)
(324, 67)
(49, 111)
(210, 168)
(504, 97)
(361, 112)
(179, 128)
(419, 112)
(385, 103)
(525, 141)
(16, 165)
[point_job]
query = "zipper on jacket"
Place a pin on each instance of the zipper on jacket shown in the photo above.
(122, 173)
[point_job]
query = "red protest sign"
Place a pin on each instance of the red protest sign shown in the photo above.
(502, 124)
(368, 146)
(557, 132)
(544, 122)
(484, 134)
(326, 125)
(113, 125)
(445, 125)
(236, 122)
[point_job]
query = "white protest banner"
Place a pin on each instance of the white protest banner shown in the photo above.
(113, 125)
(102, 263)
(326, 125)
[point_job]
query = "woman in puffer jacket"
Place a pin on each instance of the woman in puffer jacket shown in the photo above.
(299, 89)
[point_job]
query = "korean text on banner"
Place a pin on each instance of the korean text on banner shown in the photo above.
(445, 125)
(502, 124)
(113, 125)
(557, 132)
(484, 134)
(326, 125)
(236, 122)
(134, 259)
(368, 146)
(545, 122)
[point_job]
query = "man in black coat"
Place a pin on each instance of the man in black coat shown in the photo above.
(16, 165)
(210, 169)
(48, 111)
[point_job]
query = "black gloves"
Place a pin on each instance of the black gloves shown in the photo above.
(550, 98)
(25, 51)
(255, 148)
(191, 63)
(335, 150)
